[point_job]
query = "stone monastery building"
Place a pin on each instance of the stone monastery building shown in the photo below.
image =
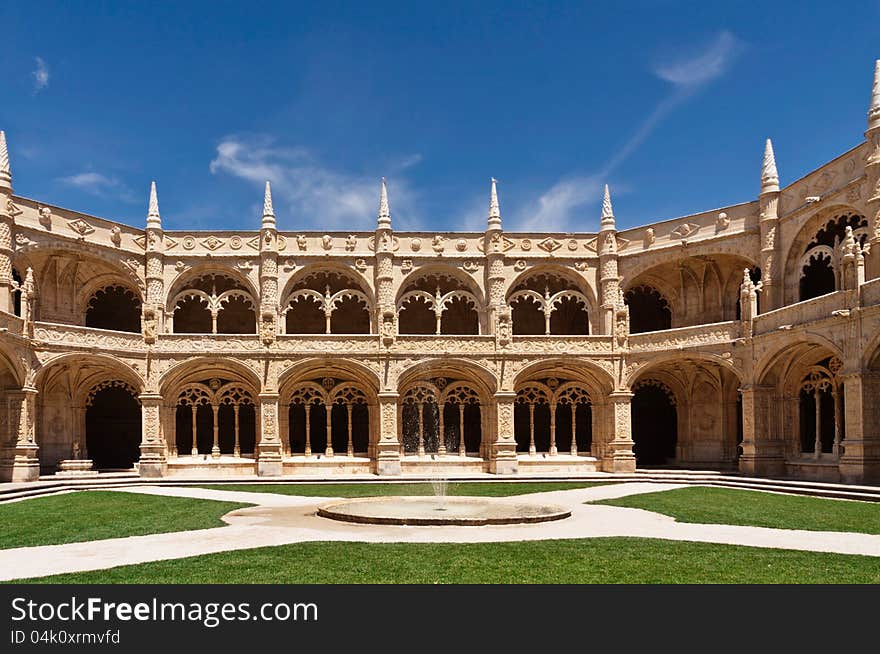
(746, 337)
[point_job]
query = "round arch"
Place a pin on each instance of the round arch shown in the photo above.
(204, 368)
(183, 279)
(798, 246)
(442, 270)
(329, 267)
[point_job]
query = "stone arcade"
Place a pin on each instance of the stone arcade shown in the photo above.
(746, 337)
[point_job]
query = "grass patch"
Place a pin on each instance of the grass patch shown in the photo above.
(96, 515)
(600, 560)
(730, 506)
(483, 489)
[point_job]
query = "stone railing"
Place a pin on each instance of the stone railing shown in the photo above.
(431, 344)
(76, 336)
(871, 293)
(802, 312)
(318, 343)
(669, 339)
(11, 323)
(561, 344)
(212, 343)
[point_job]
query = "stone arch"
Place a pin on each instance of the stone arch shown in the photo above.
(686, 411)
(804, 384)
(64, 384)
(207, 367)
(551, 299)
(328, 407)
(323, 298)
(440, 299)
(213, 300)
(597, 379)
(113, 425)
(444, 408)
(800, 246)
(113, 306)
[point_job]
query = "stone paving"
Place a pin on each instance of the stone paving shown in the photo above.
(283, 519)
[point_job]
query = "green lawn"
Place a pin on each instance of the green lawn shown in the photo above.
(486, 489)
(95, 515)
(730, 506)
(601, 560)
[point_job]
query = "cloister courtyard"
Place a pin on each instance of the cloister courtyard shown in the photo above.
(619, 531)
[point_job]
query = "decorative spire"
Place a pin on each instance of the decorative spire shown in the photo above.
(494, 209)
(607, 211)
(769, 176)
(5, 173)
(153, 218)
(874, 110)
(268, 210)
(384, 217)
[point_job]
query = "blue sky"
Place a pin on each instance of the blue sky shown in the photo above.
(668, 102)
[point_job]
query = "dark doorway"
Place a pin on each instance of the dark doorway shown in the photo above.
(654, 426)
(113, 428)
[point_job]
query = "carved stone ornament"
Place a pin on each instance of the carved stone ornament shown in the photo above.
(684, 230)
(649, 237)
(350, 243)
(213, 243)
(360, 264)
(549, 244)
(461, 245)
(722, 222)
(525, 244)
(437, 244)
(520, 265)
(302, 242)
(406, 265)
(116, 235)
(327, 242)
(471, 266)
(415, 244)
(235, 242)
(46, 217)
(81, 227)
(188, 242)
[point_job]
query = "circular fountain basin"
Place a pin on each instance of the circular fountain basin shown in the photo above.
(427, 511)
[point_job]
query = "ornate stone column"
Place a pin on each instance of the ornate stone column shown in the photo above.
(7, 226)
(388, 445)
(503, 459)
(493, 247)
(23, 463)
(768, 221)
(762, 447)
(860, 461)
(153, 461)
(384, 246)
(619, 453)
(609, 280)
(154, 305)
(268, 326)
(269, 448)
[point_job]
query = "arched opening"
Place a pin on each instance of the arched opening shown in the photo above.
(551, 417)
(818, 274)
(420, 420)
(548, 303)
(327, 302)
(113, 426)
(438, 304)
(820, 406)
(817, 277)
(648, 310)
(654, 423)
(214, 304)
(215, 417)
(114, 307)
(328, 417)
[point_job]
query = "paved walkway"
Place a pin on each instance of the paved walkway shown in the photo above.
(282, 519)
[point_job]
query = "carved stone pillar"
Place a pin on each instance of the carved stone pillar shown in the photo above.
(768, 223)
(388, 445)
(619, 453)
(763, 451)
(153, 461)
(7, 226)
(503, 459)
(860, 461)
(268, 320)
(269, 448)
(23, 463)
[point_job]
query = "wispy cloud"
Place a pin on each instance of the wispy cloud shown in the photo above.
(687, 73)
(312, 194)
(99, 185)
(40, 75)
